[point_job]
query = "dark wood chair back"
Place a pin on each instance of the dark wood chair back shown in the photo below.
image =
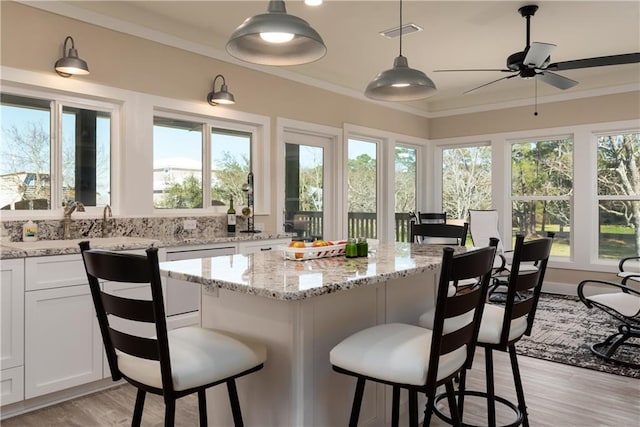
(524, 287)
(448, 234)
(432, 217)
(110, 266)
(476, 265)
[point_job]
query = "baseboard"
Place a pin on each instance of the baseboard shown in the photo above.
(560, 288)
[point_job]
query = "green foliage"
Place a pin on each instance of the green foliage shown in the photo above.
(228, 177)
(186, 195)
(362, 183)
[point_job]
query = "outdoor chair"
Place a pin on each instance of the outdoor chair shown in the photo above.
(419, 360)
(502, 326)
(627, 271)
(172, 363)
(621, 302)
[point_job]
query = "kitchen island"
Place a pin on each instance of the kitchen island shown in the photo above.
(300, 310)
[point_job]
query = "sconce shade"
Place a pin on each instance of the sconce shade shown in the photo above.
(400, 83)
(70, 63)
(276, 38)
(223, 96)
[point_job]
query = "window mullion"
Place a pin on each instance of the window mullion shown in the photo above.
(206, 165)
(56, 156)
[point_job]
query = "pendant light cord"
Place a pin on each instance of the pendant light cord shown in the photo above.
(400, 27)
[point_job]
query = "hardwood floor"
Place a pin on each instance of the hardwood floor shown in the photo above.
(557, 395)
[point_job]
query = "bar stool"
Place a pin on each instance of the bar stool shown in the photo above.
(503, 326)
(172, 363)
(418, 359)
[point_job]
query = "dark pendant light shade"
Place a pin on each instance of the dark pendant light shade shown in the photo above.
(400, 83)
(276, 38)
(70, 64)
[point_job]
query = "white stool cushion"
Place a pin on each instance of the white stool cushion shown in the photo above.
(626, 304)
(198, 356)
(491, 325)
(451, 324)
(635, 275)
(394, 352)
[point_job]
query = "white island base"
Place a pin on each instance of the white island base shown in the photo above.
(297, 386)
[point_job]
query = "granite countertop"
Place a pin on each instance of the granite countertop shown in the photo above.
(268, 274)
(10, 250)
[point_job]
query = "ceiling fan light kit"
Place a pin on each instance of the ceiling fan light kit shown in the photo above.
(400, 83)
(276, 38)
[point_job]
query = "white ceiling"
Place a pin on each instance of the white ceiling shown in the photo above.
(457, 34)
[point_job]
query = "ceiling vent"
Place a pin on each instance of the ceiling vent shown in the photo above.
(406, 30)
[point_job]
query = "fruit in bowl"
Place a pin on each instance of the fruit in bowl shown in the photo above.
(298, 244)
(319, 243)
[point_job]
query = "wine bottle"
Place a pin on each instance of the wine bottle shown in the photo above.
(231, 217)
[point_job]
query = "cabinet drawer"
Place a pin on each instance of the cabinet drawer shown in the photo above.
(268, 245)
(11, 385)
(54, 272)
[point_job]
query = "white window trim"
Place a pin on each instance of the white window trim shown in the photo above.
(584, 183)
(60, 100)
(385, 152)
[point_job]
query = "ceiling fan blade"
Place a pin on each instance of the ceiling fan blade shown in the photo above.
(490, 83)
(600, 61)
(556, 80)
(538, 54)
(479, 69)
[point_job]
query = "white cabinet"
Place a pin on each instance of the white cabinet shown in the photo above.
(183, 298)
(63, 346)
(12, 331)
(261, 245)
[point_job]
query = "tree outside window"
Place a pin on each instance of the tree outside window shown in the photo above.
(618, 195)
(541, 189)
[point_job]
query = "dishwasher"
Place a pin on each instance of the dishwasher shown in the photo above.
(183, 297)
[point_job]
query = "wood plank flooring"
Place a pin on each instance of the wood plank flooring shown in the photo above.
(557, 395)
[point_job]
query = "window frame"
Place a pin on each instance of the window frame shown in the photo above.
(208, 124)
(57, 102)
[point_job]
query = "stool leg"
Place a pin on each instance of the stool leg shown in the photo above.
(169, 412)
(395, 408)
(235, 403)
(518, 383)
(357, 402)
(137, 411)
(461, 387)
(413, 408)
(453, 408)
(491, 396)
(428, 410)
(202, 407)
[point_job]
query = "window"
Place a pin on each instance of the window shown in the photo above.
(618, 184)
(466, 180)
(406, 179)
(31, 177)
(541, 189)
(362, 173)
(187, 154)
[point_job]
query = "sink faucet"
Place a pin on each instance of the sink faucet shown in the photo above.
(106, 224)
(69, 208)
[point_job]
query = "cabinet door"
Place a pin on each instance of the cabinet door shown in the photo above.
(63, 346)
(246, 248)
(11, 313)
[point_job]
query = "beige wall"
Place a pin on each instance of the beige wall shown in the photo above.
(607, 108)
(32, 39)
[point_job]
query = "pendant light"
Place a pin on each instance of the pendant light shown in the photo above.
(400, 83)
(276, 38)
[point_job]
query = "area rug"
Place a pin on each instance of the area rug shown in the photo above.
(563, 330)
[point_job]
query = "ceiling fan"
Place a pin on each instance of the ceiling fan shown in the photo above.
(534, 61)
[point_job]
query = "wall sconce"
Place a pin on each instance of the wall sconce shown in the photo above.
(70, 63)
(223, 96)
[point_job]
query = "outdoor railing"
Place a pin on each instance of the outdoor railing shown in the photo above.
(308, 224)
